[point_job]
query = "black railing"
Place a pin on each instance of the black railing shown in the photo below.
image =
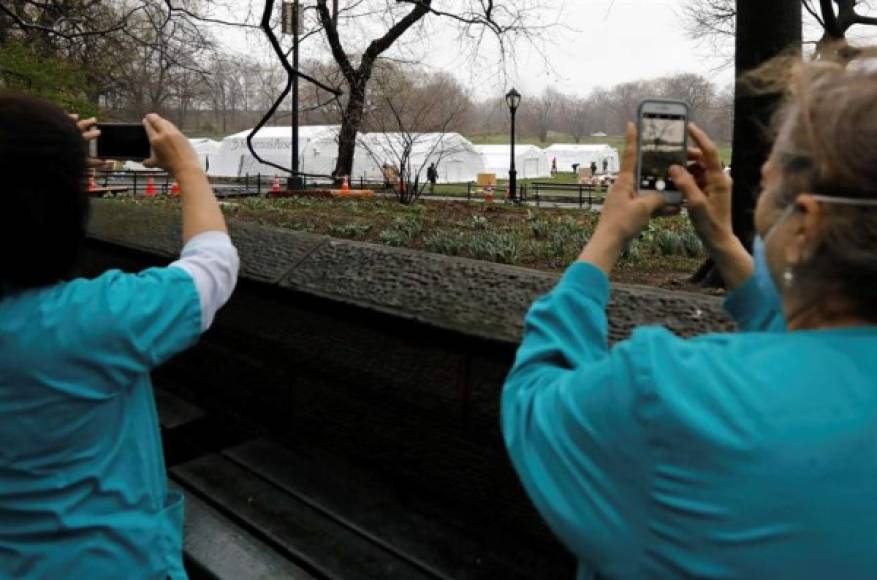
(137, 183)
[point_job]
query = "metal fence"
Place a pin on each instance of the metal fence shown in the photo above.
(158, 183)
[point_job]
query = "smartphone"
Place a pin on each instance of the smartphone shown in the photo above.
(125, 141)
(663, 142)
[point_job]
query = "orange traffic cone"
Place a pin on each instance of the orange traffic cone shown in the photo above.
(92, 184)
(275, 187)
(150, 187)
(345, 185)
(175, 189)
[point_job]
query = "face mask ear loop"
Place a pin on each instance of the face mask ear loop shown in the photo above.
(846, 200)
(785, 215)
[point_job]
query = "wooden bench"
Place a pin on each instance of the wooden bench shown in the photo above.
(257, 509)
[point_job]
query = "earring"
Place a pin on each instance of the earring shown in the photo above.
(788, 277)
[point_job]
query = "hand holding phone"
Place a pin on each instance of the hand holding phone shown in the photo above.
(171, 150)
(122, 141)
(663, 142)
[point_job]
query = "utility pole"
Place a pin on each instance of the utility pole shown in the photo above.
(292, 25)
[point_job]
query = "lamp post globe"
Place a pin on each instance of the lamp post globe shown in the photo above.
(513, 100)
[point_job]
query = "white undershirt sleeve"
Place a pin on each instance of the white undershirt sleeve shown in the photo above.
(213, 262)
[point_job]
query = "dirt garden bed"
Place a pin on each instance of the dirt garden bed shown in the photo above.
(665, 255)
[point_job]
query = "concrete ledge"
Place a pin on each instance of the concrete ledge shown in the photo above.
(476, 298)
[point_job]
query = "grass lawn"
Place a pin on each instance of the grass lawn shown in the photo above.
(462, 189)
(546, 239)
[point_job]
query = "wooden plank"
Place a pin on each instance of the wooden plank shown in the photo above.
(402, 522)
(225, 551)
(305, 534)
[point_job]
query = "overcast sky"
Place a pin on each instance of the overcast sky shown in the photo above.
(605, 43)
(600, 43)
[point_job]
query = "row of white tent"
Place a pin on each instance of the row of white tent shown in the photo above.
(457, 159)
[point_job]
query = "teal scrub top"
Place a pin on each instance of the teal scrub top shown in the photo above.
(747, 455)
(83, 488)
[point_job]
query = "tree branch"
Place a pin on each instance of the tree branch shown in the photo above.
(379, 45)
(331, 28)
(23, 24)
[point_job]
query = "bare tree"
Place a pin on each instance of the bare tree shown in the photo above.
(712, 19)
(502, 19)
(411, 116)
(576, 117)
(696, 90)
(542, 115)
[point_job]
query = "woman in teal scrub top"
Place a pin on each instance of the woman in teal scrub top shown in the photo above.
(83, 489)
(746, 455)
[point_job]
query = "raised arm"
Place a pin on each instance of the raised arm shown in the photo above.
(173, 153)
(208, 254)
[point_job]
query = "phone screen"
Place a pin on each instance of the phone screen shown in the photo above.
(662, 143)
(122, 141)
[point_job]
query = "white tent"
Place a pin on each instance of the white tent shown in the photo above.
(455, 157)
(317, 151)
(530, 161)
(207, 150)
(568, 154)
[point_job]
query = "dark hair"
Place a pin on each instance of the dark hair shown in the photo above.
(827, 144)
(45, 206)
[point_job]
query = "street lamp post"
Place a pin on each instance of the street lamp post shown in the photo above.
(513, 100)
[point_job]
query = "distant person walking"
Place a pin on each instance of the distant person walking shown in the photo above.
(605, 166)
(390, 176)
(593, 168)
(432, 176)
(554, 166)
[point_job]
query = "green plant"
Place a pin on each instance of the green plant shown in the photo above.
(692, 245)
(631, 251)
(565, 240)
(350, 230)
(495, 246)
(479, 222)
(409, 225)
(669, 243)
(450, 243)
(402, 230)
(539, 226)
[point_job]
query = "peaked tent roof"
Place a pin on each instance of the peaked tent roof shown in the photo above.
(568, 154)
(530, 160)
(272, 143)
(454, 155)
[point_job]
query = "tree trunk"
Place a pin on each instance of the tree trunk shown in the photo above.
(765, 29)
(351, 121)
